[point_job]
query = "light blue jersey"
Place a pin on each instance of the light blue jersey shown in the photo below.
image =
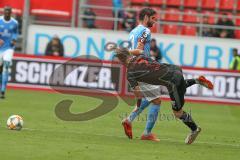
(8, 32)
(140, 34)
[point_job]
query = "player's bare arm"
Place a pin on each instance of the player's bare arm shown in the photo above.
(140, 45)
(136, 52)
(1, 42)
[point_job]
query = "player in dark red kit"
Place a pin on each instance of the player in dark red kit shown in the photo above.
(143, 69)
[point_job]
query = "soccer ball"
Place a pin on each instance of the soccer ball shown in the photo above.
(15, 122)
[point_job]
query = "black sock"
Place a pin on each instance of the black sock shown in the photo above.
(3, 94)
(188, 121)
(190, 82)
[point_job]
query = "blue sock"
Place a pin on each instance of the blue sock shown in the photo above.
(152, 118)
(5, 76)
(138, 110)
(4, 81)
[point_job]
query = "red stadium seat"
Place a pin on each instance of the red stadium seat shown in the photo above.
(209, 4)
(137, 7)
(237, 22)
(172, 14)
(156, 2)
(211, 15)
(54, 8)
(191, 3)
(226, 4)
(188, 30)
(102, 24)
(138, 1)
(237, 34)
(154, 28)
(17, 6)
(170, 29)
(238, 5)
(173, 2)
(190, 16)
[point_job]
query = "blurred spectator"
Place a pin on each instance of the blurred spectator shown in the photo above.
(235, 64)
(206, 31)
(19, 19)
(155, 51)
(117, 9)
(18, 46)
(89, 20)
(55, 47)
(224, 34)
(225, 21)
(129, 21)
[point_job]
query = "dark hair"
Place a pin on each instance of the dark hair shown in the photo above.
(146, 11)
(7, 8)
(153, 40)
(235, 50)
(122, 54)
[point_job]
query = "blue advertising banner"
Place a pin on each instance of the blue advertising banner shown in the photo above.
(180, 50)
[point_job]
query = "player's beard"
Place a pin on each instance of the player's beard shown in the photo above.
(149, 24)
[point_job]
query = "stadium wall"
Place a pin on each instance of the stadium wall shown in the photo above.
(180, 50)
(84, 76)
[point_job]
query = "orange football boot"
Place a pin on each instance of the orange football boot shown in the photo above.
(206, 83)
(151, 137)
(127, 128)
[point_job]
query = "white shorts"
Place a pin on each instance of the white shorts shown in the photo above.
(6, 55)
(149, 91)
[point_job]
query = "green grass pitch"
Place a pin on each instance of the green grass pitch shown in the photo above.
(45, 137)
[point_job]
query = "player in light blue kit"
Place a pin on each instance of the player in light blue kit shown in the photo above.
(140, 38)
(8, 37)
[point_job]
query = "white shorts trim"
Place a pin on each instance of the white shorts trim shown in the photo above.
(149, 91)
(7, 55)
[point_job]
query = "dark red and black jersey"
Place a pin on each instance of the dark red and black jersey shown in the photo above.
(145, 69)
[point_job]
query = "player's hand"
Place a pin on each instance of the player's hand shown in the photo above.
(137, 92)
(140, 45)
(1, 42)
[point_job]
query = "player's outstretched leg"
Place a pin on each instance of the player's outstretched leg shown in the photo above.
(6, 66)
(127, 122)
(200, 80)
(151, 120)
(190, 82)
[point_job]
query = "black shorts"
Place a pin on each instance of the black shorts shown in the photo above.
(177, 90)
